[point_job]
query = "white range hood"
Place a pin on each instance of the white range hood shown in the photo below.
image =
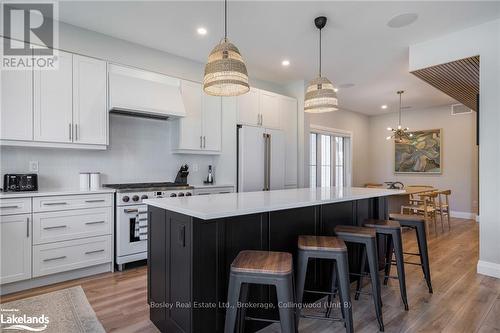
(145, 94)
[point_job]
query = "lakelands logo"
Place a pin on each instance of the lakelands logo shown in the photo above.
(30, 32)
(11, 320)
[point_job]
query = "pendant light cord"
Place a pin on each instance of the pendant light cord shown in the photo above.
(400, 93)
(225, 19)
(319, 52)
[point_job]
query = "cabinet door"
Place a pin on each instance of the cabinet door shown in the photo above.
(54, 101)
(89, 101)
(190, 131)
(270, 110)
(16, 108)
(288, 108)
(15, 248)
(248, 108)
(212, 122)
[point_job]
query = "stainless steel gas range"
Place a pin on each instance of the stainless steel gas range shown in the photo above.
(131, 218)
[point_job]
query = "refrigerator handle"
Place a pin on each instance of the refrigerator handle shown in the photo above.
(265, 162)
(269, 162)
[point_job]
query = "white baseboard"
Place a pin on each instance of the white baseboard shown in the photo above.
(463, 215)
(488, 268)
(477, 218)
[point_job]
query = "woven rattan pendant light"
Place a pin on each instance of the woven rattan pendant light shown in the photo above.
(225, 71)
(320, 94)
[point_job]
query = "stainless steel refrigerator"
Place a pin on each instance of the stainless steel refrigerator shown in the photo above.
(261, 159)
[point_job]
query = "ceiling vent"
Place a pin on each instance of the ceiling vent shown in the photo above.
(457, 109)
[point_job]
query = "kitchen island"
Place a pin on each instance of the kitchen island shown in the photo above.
(193, 240)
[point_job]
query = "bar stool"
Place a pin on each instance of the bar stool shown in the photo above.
(261, 267)
(323, 247)
(366, 237)
(417, 223)
(392, 232)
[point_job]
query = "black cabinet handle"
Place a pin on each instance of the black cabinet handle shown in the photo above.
(182, 235)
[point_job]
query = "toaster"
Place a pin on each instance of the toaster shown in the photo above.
(20, 182)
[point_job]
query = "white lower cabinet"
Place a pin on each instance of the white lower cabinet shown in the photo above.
(15, 248)
(64, 256)
(71, 224)
(57, 234)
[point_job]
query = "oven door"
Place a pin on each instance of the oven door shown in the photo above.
(131, 229)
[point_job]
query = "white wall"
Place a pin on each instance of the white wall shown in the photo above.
(354, 122)
(459, 154)
(139, 149)
(482, 40)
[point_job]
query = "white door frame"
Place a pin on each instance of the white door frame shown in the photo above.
(343, 133)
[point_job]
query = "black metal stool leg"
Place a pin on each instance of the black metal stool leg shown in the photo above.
(333, 286)
(344, 293)
(389, 249)
(232, 299)
(424, 254)
(242, 312)
(372, 256)
(361, 272)
(284, 290)
(303, 259)
(398, 251)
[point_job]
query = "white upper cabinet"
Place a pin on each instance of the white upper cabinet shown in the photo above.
(249, 108)
(15, 248)
(212, 122)
(53, 102)
(16, 114)
(190, 127)
(288, 110)
(90, 115)
(270, 110)
(200, 131)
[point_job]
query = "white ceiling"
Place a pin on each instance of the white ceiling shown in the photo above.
(358, 46)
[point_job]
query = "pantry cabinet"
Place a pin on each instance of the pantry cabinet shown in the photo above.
(200, 131)
(289, 122)
(15, 248)
(248, 106)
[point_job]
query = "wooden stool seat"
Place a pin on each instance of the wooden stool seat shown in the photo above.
(385, 224)
(407, 217)
(321, 243)
(351, 230)
(263, 262)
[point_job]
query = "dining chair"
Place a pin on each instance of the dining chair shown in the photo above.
(443, 206)
(425, 206)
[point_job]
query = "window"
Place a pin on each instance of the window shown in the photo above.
(328, 163)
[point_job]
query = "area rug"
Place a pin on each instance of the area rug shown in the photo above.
(62, 311)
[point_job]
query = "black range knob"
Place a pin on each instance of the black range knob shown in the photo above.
(173, 195)
(125, 199)
(144, 196)
(135, 198)
(181, 194)
(188, 194)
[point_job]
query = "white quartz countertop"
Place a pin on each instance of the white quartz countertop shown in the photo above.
(52, 192)
(234, 204)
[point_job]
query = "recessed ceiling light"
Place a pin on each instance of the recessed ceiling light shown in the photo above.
(335, 89)
(402, 20)
(201, 31)
(285, 63)
(383, 107)
(346, 85)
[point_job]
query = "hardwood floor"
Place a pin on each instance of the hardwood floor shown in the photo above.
(463, 301)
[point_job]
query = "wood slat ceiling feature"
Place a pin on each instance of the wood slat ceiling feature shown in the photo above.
(458, 79)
